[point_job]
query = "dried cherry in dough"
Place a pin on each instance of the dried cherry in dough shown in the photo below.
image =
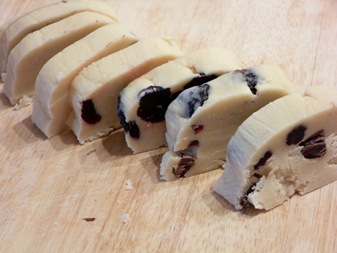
(251, 79)
(88, 112)
(296, 135)
(196, 98)
(130, 127)
(199, 80)
(314, 146)
(263, 160)
(187, 159)
(153, 102)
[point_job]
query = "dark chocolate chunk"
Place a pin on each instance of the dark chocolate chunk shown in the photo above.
(251, 79)
(263, 160)
(196, 97)
(296, 135)
(129, 127)
(314, 146)
(153, 103)
(88, 112)
(197, 128)
(185, 164)
(201, 79)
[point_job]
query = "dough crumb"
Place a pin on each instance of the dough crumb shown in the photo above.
(128, 185)
(125, 218)
(24, 101)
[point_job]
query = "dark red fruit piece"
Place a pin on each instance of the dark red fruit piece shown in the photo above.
(296, 135)
(88, 112)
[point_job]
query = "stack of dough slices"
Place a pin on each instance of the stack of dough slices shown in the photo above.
(64, 55)
(143, 103)
(87, 72)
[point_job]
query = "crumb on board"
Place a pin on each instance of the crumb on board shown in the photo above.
(128, 185)
(125, 217)
(23, 102)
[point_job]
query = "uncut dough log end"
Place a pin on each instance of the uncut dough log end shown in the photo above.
(39, 18)
(27, 58)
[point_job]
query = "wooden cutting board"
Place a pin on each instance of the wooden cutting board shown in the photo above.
(58, 196)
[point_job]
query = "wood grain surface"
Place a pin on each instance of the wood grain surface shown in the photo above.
(59, 196)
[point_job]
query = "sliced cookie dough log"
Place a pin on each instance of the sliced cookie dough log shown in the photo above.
(287, 147)
(51, 103)
(27, 58)
(202, 119)
(143, 103)
(42, 17)
(94, 92)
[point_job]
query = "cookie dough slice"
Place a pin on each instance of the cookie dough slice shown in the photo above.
(287, 147)
(143, 103)
(42, 17)
(27, 58)
(51, 105)
(202, 119)
(94, 92)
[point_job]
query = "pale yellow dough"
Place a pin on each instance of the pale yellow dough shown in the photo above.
(102, 81)
(27, 58)
(172, 76)
(51, 103)
(202, 138)
(302, 165)
(37, 19)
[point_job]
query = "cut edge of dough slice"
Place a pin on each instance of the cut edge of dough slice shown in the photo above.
(270, 159)
(51, 103)
(144, 123)
(28, 57)
(39, 18)
(198, 130)
(96, 89)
